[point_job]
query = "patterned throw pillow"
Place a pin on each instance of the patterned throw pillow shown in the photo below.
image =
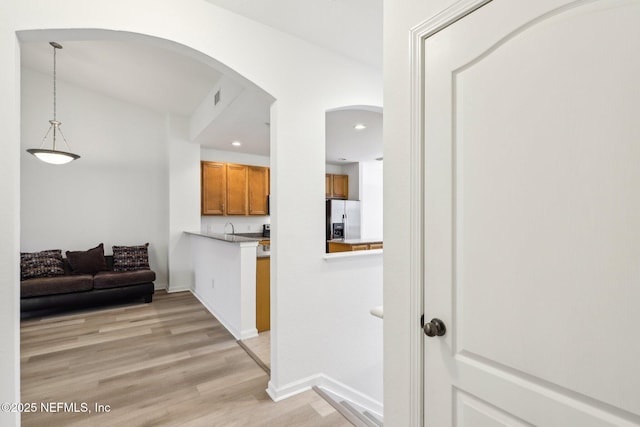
(131, 258)
(41, 264)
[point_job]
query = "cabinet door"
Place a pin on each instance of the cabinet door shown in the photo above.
(213, 188)
(340, 184)
(236, 189)
(328, 186)
(263, 294)
(338, 247)
(258, 190)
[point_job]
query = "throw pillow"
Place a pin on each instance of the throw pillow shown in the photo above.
(41, 264)
(131, 258)
(87, 262)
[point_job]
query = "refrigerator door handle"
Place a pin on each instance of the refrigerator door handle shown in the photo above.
(345, 220)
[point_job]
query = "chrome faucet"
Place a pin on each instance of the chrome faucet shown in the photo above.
(233, 229)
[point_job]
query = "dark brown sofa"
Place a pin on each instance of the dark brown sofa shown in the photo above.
(46, 295)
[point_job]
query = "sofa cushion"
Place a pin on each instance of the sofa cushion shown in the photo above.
(41, 264)
(131, 258)
(88, 262)
(114, 279)
(55, 285)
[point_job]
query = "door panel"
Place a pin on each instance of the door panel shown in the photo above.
(213, 188)
(532, 215)
(471, 411)
(258, 178)
(237, 202)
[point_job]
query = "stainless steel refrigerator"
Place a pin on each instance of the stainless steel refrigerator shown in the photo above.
(343, 219)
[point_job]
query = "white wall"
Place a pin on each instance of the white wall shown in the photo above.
(335, 169)
(225, 282)
(9, 221)
(371, 197)
(211, 155)
(241, 224)
(115, 194)
(184, 201)
(283, 66)
(353, 171)
(399, 19)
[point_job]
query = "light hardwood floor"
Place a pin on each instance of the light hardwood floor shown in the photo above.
(260, 348)
(168, 363)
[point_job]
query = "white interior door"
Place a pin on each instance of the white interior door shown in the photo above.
(532, 215)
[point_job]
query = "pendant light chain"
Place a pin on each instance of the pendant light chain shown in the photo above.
(56, 124)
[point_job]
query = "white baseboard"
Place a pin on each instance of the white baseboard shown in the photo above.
(293, 388)
(236, 334)
(248, 333)
(335, 387)
(173, 289)
(159, 286)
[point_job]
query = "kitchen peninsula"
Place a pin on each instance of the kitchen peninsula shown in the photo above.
(224, 267)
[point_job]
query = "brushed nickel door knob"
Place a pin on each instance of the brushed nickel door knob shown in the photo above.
(434, 328)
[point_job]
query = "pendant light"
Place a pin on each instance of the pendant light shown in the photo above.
(53, 155)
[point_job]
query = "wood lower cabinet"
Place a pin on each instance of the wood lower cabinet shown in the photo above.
(336, 186)
(263, 294)
(349, 247)
(258, 189)
(214, 188)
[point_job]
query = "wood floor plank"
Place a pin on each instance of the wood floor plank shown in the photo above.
(168, 363)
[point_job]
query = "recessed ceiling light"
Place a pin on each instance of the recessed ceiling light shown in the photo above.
(360, 126)
(236, 143)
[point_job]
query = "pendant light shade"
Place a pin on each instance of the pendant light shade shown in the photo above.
(52, 155)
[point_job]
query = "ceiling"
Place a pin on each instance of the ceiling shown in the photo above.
(352, 28)
(345, 143)
(170, 82)
(141, 74)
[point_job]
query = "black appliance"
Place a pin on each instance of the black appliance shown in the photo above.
(338, 230)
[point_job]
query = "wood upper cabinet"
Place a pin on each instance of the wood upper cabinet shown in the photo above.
(336, 186)
(237, 201)
(231, 189)
(258, 189)
(213, 187)
(328, 185)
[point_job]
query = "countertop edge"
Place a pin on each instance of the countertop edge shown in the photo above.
(229, 238)
(351, 254)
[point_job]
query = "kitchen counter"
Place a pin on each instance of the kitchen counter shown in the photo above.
(231, 238)
(349, 245)
(263, 251)
(258, 236)
(356, 241)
